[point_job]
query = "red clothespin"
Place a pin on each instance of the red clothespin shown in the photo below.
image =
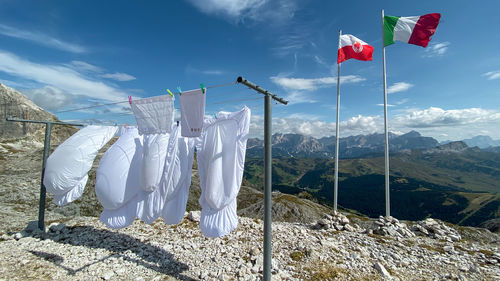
(130, 100)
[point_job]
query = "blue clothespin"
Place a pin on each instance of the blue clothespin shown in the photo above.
(168, 90)
(116, 124)
(179, 89)
(202, 88)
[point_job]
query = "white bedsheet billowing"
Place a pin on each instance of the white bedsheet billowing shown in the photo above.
(66, 169)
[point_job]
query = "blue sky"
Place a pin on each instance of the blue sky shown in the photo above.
(72, 54)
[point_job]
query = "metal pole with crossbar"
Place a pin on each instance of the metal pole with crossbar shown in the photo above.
(46, 151)
(267, 171)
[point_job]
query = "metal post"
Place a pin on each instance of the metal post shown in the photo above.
(267, 172)
(336, 184)
(46, 151)
(387, 201)
(267, 187)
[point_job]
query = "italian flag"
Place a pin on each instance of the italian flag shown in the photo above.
(351, 47)
(412, 30)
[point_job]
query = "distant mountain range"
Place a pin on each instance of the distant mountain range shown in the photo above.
(452, 182)
(480, 141)
(301, 146)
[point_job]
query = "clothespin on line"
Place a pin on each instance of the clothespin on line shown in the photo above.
(179, 89)
(130, 100)
(172, 95)
(203, 90)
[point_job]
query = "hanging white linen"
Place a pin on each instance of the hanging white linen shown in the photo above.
(221, 158)
(151, 200)
(192, 105)
(154, 115)
(67, 167)
(176, 178)
(118, 179)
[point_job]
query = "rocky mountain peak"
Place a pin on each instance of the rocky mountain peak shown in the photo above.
(16, 105)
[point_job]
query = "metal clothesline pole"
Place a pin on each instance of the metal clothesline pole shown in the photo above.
(267, 171)
(46, 151)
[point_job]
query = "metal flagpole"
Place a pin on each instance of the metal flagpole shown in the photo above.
(46, 151)
(336, 184)
(387, 201)
(267, 171)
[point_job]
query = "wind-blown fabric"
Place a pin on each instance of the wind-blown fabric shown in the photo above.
(221, 158)
(176, 178)
(118, 179)
(66, 169)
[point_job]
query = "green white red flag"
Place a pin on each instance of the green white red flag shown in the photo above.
(411, 30)
(351, 47)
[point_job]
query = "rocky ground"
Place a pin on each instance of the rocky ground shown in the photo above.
(335, 246)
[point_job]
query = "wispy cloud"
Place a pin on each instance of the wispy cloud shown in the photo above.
(190, 69)
(61, 77)
(118, 76)
(436, 49)
(83, 66)
(311, 84)
(399, 87)
(240, 10)
(492, 75)
(41, 39)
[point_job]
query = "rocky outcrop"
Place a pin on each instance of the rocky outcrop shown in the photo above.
(390, 226)
(436, 229)
(13, 104)
(16, 105)
(335, 221)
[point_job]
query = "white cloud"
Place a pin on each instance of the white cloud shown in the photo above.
(436, 49)
(492, 75)
(49, 98)
(119, 76)
(438, 117)
(454, 124)
(58, 76)
(311, 84)
(399, 87)
(41, 39)
(83, 66)
(296, 124)
(388, 105)
(256, 10)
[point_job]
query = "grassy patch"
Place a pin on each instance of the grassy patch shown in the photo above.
(326, 272)
(431, 248)
(297, 255)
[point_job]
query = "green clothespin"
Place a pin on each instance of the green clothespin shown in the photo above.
(179, 89)
(202, 88)
(168, 90)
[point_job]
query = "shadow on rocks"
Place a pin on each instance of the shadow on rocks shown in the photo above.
(119, 244)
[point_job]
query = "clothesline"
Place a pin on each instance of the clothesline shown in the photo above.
(125, 101)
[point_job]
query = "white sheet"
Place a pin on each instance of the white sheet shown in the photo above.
(221, 158)
(67, 167)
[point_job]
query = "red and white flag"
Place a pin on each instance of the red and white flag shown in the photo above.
(351, 47)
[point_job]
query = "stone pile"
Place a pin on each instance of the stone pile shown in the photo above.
(335, 221)
(389, 226)
(436, 229)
